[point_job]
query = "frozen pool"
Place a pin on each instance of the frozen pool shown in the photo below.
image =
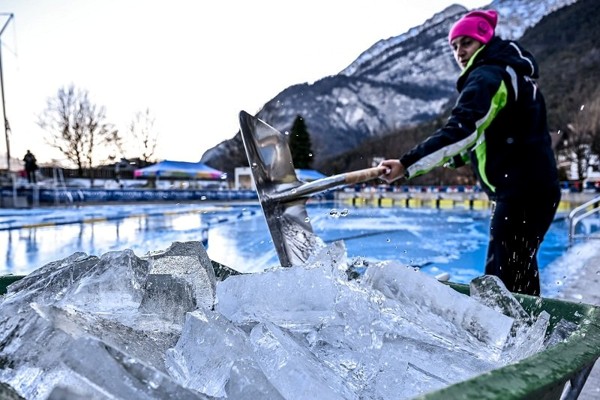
(452, 241)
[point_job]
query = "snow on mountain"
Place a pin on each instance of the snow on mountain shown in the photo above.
(397, 82)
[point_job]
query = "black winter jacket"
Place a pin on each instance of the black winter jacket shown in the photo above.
(498, 124)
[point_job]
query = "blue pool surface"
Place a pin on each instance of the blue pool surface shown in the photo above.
(452, 241)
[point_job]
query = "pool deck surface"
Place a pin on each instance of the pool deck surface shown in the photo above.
(585, 288)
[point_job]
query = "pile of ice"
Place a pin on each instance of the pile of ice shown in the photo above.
(165, 325)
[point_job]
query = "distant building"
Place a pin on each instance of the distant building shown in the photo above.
(243, 177)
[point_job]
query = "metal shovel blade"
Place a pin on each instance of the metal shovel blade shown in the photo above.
(282, 196)
(270, 161)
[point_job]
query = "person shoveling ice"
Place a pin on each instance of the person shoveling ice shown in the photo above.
(499, 126)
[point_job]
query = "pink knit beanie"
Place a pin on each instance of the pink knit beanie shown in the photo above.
(478, 25)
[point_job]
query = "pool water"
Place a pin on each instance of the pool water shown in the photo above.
(438, 241)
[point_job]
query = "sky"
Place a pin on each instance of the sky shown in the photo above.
(193, 64)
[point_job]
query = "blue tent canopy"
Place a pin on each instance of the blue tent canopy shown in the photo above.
(308, 175)
(179, 169)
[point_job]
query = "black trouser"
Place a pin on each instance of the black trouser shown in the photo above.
(31, 176)
(517, 228)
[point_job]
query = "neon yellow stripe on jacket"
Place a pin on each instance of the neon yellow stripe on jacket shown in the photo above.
(498, 102)
(440, 157)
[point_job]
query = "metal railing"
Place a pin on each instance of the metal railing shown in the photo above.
(583, 212)
(60, 186)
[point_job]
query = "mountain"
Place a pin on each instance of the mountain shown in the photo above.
(567, 50)
(568, 54)
(397, 83)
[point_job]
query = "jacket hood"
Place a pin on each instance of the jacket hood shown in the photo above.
(505, 53)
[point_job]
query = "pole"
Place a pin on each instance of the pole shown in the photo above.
(6, 125)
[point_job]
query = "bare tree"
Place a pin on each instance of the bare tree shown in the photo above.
(76, 127)
(144, 135)
(115, 140)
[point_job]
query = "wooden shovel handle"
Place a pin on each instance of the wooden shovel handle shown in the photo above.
(364, 175)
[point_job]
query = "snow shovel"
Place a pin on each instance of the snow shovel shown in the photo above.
(282, 196)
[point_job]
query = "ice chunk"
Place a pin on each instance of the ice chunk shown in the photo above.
(169, 297)
(490, 291)
(112, 282)
(115, 282)
(529, 340)
(528, 333)
(293, 370)
(294, 297)
(420, 374)
(118, 375)
(189, 261)
(392, 382)
(48, 283)
(382, 354)
(142, 337)
(331, 257)
(82, 390)
(147, 339)
(80, 297)
(208, 347)
(357, 331)
(248, 382)
(562, 330)
(440, 310)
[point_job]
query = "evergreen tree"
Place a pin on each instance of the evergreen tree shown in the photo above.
(300, 145)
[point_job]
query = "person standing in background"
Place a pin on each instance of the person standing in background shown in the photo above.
(499, 126)
(30, 166)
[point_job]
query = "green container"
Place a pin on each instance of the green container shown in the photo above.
(542, 376)
(6, 280)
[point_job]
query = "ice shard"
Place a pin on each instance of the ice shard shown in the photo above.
(440, 310)
(189, 261)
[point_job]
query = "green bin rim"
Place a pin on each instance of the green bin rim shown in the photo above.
(541, 376)
(6, 280)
